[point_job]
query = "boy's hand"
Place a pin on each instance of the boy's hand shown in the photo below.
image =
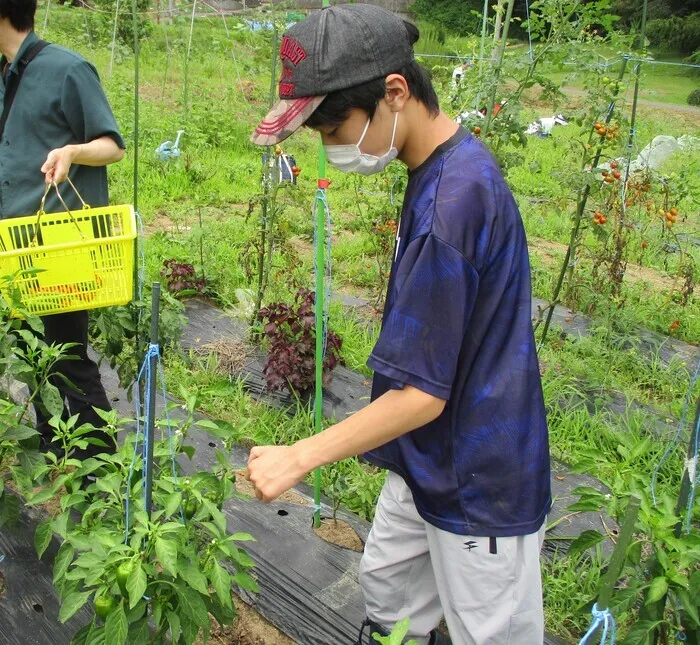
(58, 164)
(273, 470)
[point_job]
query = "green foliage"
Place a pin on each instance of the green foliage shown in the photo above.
(454, 16)
(630, 11)
(124, 20)
(661, 568)
(694, 97)
(676, 33)
(176, 566)
(153, 578)
(121, 333)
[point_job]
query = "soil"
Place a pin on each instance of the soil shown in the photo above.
(52, 506)
(340, 533)
(162, 222)
(553, 252)
(2, 584)
(301, 246)
(249, 629)
(244, 487)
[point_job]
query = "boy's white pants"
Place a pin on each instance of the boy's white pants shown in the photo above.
(411, 568)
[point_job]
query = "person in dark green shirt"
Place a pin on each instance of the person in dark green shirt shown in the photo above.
(59, 125)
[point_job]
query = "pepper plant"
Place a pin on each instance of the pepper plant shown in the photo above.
(153, 578)
(661, 577)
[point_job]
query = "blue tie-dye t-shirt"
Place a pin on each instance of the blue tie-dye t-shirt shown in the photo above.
(457, 325)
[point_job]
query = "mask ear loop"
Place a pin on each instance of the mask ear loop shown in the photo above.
(393, 134)
(364, 132)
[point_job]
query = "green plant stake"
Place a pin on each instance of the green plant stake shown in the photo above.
(114, 38)
(320, 304)
(320, 297)
(185, 89)
(600, 609)
(46, 15)
(151, 394)
(136, 104)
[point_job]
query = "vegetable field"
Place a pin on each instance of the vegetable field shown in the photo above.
(228, 231)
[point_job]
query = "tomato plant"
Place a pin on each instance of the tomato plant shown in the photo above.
(378, 203)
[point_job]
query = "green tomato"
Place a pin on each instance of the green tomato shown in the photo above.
(612, 87)
(104, 606)
(123, 571)
(605, 80)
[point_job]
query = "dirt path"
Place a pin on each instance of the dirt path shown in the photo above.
(676, 107)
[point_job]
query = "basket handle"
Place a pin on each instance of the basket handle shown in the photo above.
(42, 212)
(75, 190)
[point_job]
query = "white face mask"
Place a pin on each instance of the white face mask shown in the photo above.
(350, 158)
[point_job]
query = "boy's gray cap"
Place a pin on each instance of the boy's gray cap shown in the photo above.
(333, 49)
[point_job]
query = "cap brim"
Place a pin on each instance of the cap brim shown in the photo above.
(285, 118)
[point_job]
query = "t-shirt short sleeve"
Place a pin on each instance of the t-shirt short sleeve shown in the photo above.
(85, 105)
(422, 335)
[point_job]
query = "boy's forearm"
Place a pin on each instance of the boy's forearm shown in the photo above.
(99, 152)
(392, 415)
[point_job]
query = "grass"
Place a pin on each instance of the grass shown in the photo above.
(658, 82)
(219, 174)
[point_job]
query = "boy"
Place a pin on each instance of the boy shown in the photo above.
(58, 125)
(457, 413)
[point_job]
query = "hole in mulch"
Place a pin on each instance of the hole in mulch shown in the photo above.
(282, 513)
(340, 533)
(212, 444)
(38, 608)
(2, 584)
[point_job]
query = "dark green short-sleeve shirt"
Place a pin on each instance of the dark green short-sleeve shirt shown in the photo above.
(59, 102)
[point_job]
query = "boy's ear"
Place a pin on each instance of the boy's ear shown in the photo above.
(397, 92)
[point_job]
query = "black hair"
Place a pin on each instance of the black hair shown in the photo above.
(337, 105)
(20, 13)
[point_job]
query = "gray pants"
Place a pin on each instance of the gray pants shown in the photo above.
(411, 568)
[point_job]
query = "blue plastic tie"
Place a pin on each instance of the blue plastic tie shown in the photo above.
(604, 618)
(2, 557)
(153, 351)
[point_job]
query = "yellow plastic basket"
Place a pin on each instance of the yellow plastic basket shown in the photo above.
(84, 259)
